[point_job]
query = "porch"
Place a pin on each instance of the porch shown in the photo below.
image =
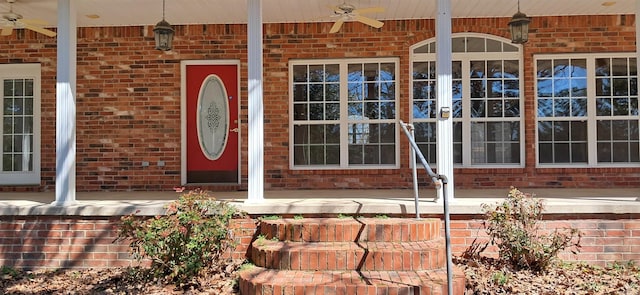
(327, 202)
(36, 234)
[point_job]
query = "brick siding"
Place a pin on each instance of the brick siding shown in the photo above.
(128, 98)
(35, 242)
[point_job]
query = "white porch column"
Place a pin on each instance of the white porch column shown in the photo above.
(444, 126)
(637, 44)
(256, 112)
(66, 105)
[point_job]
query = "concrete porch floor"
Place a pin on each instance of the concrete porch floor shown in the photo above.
(346, 201)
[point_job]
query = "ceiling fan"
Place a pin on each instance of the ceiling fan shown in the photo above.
(347, 12)
(11, 20)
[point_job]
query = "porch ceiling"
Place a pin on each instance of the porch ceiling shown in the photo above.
(96, 13)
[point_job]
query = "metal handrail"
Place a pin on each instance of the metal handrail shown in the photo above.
(440, 181)
(435, 178)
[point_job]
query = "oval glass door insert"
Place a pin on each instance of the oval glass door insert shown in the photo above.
(213, 117)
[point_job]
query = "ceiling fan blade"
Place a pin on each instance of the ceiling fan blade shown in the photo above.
(369, 10)
(336, 26)
(369, 21)
(40, 30)
(6, 31)
(35, 22)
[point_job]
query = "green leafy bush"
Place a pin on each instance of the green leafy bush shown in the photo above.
(192, 236)
(513, 227)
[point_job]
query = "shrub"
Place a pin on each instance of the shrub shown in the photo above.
(513, 227)
(193, 235)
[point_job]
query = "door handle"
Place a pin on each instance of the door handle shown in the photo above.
(236, 130)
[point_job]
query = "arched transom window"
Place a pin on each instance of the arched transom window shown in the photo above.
(487, 106)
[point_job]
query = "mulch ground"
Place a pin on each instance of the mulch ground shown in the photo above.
(484, 276)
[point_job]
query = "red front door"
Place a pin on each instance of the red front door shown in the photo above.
(212, 123)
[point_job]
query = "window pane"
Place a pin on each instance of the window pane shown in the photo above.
(620, 106)
(356, 155)
(316, 111)
(425, 137)
(18, 89)
(545, 107)
(478, 109)
(316, 154)
(545, 131)
(355, 92)
(458, 44)
(423, 109)
(545, 153)
(603, 106)
(475, 44)
(299, 73)
(478, 89)
(578, 107)
(355, 73)
(7, 146)
(604, 152)
(511, 108)
(512, 88)
(371, 154)
(300, 112)
(355, 110)
(316, 92)
(494, 45)
(387, 110)
(561, 131)
(620, 86)
(372, 110)
(561, 153)
(604, 130)
(332, 73)
(578, 87)
(332, 92)
(316, 134)
(301, 134)
(561, 108)
(333, 154)
(579, 153)
(300, 92)
(421, 70)
(332, 111)
(316, 73)
(494, 108)
(603, 86)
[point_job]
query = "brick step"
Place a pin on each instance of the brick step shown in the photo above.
(351, 229)
(261, 281)
(400, 256)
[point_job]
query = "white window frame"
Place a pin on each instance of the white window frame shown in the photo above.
(24, 71)
(344, 119)
(465, 58)
(591, 117)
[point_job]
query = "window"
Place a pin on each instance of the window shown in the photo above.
(344, 114)
(487, 103)
(20, 134)
(587, 110)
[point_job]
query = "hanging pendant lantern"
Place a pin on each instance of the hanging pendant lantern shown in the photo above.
(163, 33)
(519, 27)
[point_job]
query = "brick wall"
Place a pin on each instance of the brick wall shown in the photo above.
(128, 98)
(81, 242)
